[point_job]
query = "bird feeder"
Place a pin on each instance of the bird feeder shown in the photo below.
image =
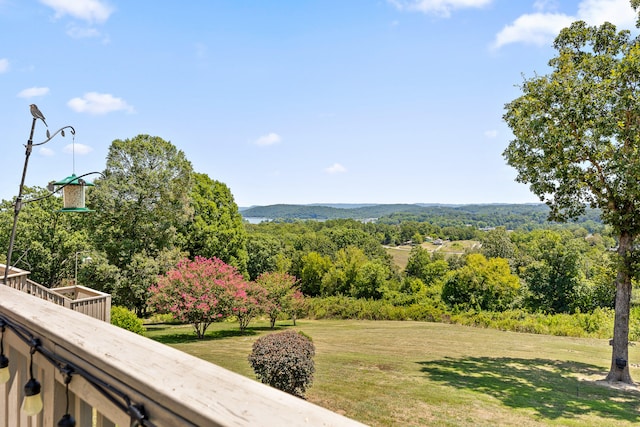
(73, 193)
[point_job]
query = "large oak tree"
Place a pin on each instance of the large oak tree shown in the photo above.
(577, 135)
(140, 204)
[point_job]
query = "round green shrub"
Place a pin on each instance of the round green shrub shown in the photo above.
(285, 361)
(126, 319)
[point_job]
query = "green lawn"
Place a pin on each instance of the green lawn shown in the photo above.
(417, 373)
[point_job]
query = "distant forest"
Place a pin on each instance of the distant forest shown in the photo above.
(510, 216)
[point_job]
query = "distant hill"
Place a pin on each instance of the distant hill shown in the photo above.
(323, 212)
(511, 216)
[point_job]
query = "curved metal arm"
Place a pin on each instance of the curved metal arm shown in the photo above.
(51, 136)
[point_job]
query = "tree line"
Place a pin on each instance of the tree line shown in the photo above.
(152, 211)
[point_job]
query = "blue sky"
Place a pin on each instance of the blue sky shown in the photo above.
(287, 101)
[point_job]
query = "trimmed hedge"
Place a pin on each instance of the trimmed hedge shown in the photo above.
(285, 361)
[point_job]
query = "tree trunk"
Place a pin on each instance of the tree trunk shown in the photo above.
(619, 370)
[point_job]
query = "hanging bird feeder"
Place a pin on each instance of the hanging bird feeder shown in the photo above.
(73, 193)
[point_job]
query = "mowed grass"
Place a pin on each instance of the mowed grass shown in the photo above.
(387, 373)
(400, 254)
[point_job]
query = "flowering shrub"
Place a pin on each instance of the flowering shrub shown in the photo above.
(254, 304)
(199, 292)
(280, 289)
(284, 361)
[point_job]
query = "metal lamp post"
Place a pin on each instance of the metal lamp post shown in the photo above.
(18, 204)
(75, 277)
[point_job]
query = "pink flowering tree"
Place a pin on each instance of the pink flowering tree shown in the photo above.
(280, 289)
(299, 306)
(199, 292)
(253, 306)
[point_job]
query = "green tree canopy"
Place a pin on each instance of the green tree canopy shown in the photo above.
(484, 284)
(577, 132)
(553, 275)
(143, 198)
(496, 243)
(313, 268)
(216, 228)
(423, 265)
(263, 250)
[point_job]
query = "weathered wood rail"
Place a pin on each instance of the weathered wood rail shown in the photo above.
(176, 389)
(79, 298)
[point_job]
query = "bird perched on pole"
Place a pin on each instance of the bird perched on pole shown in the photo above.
(37, 114)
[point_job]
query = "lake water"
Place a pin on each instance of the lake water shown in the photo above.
(256, 219)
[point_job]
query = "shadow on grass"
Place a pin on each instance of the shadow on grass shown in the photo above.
(548, 387)
(187, 337)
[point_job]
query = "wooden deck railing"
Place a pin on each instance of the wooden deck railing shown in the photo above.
(174, 388)
(79, 298)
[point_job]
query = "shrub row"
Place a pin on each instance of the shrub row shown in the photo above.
(596, 324)
(343, 307)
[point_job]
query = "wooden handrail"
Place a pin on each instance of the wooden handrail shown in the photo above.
(19, 279)
(175, 388)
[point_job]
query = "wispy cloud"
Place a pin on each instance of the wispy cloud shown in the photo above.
(542, 27)
(33, 92)
(491, 133)
(335, 168)
(80, 149)
(441, 8)
(91, 11)
(537, 28)
(84, 14)
(82, 33)
(99, 103)
(545, 5)
(4, 65)
(268, 139)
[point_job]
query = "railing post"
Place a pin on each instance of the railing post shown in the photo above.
(107, 309)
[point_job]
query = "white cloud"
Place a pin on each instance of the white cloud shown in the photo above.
(33, 91)
(269, 139)
(542, 27)
(4, 65)
(99, 103)
(336, 168)
(618, 12)
(491, 133)
(47, 152)
(536, 28)
(77, 148)
(438, 7)
(86, 10)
